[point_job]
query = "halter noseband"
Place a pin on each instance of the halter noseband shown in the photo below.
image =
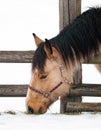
(47, 94)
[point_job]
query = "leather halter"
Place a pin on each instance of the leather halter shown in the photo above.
(47, 94)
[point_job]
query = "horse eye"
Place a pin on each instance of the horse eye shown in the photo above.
(43, 76)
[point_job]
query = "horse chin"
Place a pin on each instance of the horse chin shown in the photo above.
(46, 107)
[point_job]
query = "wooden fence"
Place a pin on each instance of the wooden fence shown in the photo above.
(15, 57)
(69, 9)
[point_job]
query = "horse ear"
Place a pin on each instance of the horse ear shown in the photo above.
(50, 51)
(38, 41)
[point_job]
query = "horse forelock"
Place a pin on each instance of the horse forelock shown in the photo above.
(39, 58)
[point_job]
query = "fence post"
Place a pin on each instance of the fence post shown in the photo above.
(68, 10)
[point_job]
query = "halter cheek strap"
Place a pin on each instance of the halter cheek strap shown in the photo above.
(45, 94)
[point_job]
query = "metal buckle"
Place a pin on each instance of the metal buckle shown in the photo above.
(46, 94)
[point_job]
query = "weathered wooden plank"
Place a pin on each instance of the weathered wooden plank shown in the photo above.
(16, 56)
(81, 90)
(13, 90)
(74, 9)
(86, 90)
(68, 10)
(26, 57)
(63, 21)
(83, 107)
(63, 13)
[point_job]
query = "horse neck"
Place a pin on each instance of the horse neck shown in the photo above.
(71, 66)
(90, 56)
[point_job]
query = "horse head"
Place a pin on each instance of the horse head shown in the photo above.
(50, 79)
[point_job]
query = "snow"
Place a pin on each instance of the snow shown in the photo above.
(50, 122)
(18, 19)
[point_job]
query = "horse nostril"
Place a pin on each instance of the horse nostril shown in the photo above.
(40, 110)
(30, 110)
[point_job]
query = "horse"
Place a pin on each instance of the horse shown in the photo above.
(55, 60)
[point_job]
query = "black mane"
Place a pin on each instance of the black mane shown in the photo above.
(83, 36)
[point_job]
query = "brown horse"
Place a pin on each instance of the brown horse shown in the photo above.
(56, 59)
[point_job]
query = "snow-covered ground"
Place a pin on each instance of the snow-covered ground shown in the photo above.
(50, 122)
(18, 19)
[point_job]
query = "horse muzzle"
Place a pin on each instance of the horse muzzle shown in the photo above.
(40, 110)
